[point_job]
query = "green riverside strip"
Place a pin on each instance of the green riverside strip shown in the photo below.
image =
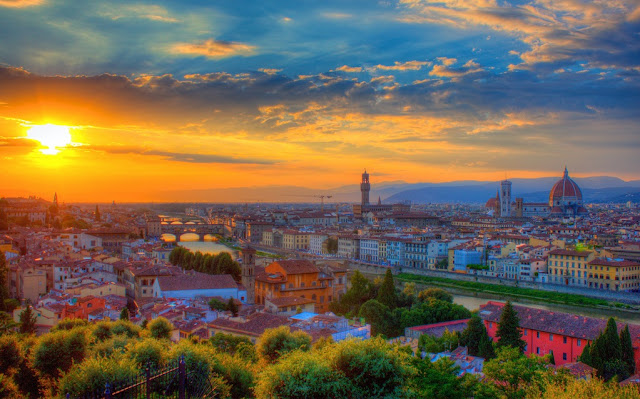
(550, 296)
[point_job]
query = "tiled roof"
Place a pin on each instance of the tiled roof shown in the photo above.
(296, 266)
(289, 301)
(567, 324)
(254, 325)
(570, 252)
(579, 369)
(612, 262)
(198, 281)
(437, 329)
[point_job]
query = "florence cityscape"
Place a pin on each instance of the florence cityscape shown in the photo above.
(391, 199)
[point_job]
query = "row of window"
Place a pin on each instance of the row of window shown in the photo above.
(525, 333)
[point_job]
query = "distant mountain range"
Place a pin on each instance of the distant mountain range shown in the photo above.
(595, 189)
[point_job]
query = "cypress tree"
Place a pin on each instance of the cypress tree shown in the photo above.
(27, 320)
(486, 349)
(232, 307)
(585, 357)
(473, 335)
(508, 332)
(612, 347)
(553, 358)
(606, 351)
(124, 314)
(97, 215)
(627, 350)
(387, 293)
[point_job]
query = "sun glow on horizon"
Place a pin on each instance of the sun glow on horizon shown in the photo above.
(51, 136)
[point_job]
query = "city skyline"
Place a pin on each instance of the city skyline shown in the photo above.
(187, 96)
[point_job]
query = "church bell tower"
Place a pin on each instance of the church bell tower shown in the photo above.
(248, 273)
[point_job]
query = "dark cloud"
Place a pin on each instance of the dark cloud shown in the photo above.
(178, 157)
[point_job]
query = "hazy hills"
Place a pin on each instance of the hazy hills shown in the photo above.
(595, 189)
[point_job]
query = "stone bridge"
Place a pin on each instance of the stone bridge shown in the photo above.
(200, 229)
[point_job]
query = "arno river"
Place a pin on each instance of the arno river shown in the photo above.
(208, 246)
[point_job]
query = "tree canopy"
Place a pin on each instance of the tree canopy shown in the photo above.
(508, 331)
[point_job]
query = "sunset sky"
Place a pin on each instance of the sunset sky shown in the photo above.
(213, 94)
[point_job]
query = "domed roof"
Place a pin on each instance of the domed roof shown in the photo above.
(565, 188)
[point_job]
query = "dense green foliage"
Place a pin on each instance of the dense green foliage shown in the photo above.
(610, 354)
(27, 320)
(79, 358)
(477, 340)
(349, 369)
(508, 332)
(513, 374)
(548, 296)
(277, 342)
(361, 291)
(448, 341)
(160, 328)
(387, 292)
(436, 293)
(221, 263)
(393, 310)
(627, 350)
(216, 304)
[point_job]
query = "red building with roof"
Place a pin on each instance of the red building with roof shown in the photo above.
(546, 331)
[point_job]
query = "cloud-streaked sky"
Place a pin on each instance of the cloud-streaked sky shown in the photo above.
(199, 95)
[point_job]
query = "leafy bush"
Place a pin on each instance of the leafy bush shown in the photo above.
(349, 369)
(102, 330)
(93, 374)
(123, 327)
(10, 353)
(235, 373)
(148, 352)
(160, 328)
(110, 347)
(58, 351)
(275, 342)
(8, 390)
(69, 324)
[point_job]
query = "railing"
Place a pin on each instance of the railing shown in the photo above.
(173, 381)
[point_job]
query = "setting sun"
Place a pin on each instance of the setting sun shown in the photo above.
(50, 136)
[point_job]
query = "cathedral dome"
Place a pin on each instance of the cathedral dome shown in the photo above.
(565, 192)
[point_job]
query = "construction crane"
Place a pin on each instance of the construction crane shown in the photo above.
(322, 197)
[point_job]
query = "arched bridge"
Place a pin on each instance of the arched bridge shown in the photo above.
(200, 229)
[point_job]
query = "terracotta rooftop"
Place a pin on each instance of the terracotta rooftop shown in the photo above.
(289, 301)
(570, 252)
(437, 329)
(254, 325)
(296, 266)
(579, 369)
(197, 281)
(555, 322)
(612, 262)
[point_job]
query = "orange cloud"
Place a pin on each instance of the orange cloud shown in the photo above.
(20, 3)
(212, 48)
(346, 68)
(403, 66)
